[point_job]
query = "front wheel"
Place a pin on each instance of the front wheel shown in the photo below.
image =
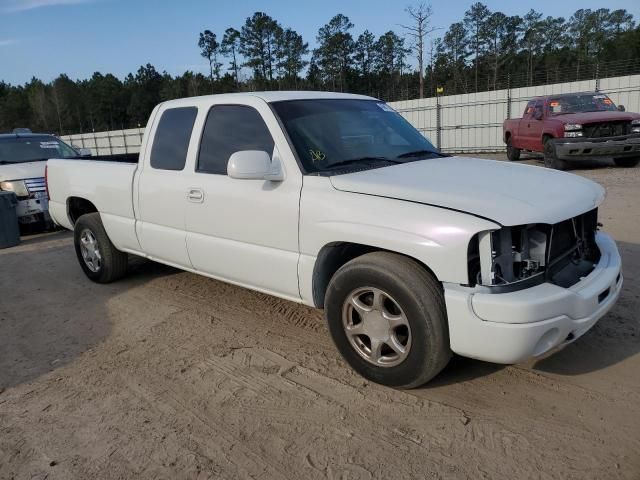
(513, 153)
(627, 162)
(550, 158)
(99, 259)
(387, 317)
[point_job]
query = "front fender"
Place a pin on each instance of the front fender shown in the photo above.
(437, 237)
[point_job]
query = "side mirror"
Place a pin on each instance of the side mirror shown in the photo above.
(621, 108)
(249, 165)
(84, 152)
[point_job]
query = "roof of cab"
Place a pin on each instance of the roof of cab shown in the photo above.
(275, 96)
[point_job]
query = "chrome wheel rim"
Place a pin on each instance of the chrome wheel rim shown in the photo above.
(376, 327)
(90, 251)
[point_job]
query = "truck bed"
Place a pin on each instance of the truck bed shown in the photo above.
(106, 183)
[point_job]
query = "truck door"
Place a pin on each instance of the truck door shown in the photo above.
(162, 187)
(523, 127)
(244, 231)
(532, 125)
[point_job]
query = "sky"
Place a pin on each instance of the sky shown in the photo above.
(44, 38)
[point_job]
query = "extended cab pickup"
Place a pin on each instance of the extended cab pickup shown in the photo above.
(337, 202)
(575, 127)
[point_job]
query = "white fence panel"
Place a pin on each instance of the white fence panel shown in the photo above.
(473, 122)
(468, 122)
(108, 143)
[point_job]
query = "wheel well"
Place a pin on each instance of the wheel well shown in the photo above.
(546, 137)
(335, 255)
(507, 136)
(76, 207)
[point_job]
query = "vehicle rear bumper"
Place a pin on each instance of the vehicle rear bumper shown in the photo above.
(592, 148)
(33, 210)
(514, 327)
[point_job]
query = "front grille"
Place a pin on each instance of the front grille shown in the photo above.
(35, 185)
(606, 129)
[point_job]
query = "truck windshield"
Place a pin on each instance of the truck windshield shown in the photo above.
(581, 103)
(33, 148)
(337, 134)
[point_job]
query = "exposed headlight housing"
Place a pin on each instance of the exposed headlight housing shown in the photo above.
(635, 125)
(522, 256)
(16, 186)
(570, 127)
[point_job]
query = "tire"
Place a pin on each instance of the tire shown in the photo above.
(550, 158)
(627, 162)
(409, 295)
(99, 259)
(513, 153)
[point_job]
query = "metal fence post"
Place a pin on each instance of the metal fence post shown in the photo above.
(509, 96)
(438, 123)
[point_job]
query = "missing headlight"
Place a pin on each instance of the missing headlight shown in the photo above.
(512, 254)
(526, 255)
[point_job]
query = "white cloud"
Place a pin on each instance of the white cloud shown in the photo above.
(7, 42)
(21, 5)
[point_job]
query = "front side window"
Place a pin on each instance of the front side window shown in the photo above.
(331, 135)
(171, 141)
(33, 148)
(230, 129)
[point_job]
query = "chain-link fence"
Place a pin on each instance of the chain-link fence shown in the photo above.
(406, 88)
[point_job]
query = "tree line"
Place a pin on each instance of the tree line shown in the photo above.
(485, 50)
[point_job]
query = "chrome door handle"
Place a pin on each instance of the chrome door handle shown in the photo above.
(195, 195)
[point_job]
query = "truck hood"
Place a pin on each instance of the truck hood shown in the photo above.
(507, 193)
(20, 171)
(595, 117)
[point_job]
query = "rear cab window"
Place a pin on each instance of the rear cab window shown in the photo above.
(171, 140)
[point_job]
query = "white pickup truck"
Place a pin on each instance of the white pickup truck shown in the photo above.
(337, 202)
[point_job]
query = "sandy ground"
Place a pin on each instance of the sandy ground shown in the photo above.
(170, 375)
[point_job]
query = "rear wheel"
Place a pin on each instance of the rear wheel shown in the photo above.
(99, 259)
(513, 153)
(550, 158)
(387, 317)
(627, 162)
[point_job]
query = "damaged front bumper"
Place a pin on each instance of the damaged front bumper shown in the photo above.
(516, 326)
(593, 148)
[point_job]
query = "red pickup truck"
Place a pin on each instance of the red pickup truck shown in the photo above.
(573, 127)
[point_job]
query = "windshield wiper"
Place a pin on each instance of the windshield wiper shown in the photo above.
(419, 153)
(361, 159)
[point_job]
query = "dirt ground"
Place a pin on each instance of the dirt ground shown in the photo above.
(171, 375)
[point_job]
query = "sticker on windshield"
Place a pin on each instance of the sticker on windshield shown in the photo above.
(599, 96)
(555, 106)
(386, 108)
(317, 155)
(49, 145)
